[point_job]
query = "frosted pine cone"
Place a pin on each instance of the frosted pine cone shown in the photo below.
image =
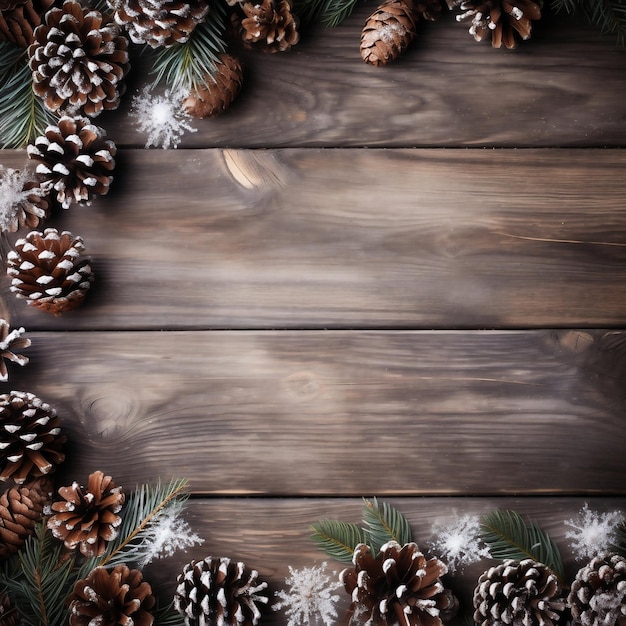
(18, 20)
(9, 343)
(112, 597)
(22, 202)
(219, 591)
(268, 25)
(30, 437)
(47, 270)
(75, 159)
(521, 593)
(598, 593)
(87, 517)
(159, 23)
(399, 580)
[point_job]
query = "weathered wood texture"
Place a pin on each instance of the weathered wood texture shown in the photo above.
(303, 238)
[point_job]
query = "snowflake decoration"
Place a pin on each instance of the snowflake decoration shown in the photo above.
(593, 533)
(309, 599)
(458, 542)
(161, 117)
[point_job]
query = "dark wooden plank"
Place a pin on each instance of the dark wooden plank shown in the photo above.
(341, 412)
(352, 239)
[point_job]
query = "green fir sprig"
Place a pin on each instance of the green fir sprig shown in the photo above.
(331, 13)
(383, 523)
(607, 15)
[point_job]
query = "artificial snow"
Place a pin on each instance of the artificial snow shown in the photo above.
(593, 533)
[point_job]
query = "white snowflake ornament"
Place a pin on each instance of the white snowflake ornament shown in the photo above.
(593, 533)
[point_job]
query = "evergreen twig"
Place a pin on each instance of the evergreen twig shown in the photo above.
(337, 539)
(607, 15)
(384, 523)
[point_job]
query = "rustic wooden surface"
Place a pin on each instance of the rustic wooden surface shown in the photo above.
(312, 300)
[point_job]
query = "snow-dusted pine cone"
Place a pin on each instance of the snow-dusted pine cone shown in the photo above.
(219, 591)
(500, 20)
(220, 89)
(524, 593)
(18, 20)
(398, 580)
(23, 202)
(75, 159)
(10, 342)
(268, 25)
(111, 598)
(159, 23)
(30, 437)
(598, 593)
(48, 270)
(87, 517)
(78, 61)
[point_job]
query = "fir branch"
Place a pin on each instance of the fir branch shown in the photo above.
(337, 539)
(167, 616)
(336, 11)
(607, 15)
(384, 523)
(508, 536)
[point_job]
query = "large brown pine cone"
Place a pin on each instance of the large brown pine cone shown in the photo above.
(48, 270)
(78, 61)
(268, 25)
(112, 598)
(86, 517)
(75, 159)
(30, 437)
(219, 591)
(23, 201)
(159, 23)
(9, 615)
(521, 593)
(399, 582)
(598, 593)
(10, 341)
(21, 508)
(19, 18)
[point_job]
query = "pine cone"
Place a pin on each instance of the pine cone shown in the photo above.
(9, 342)
(75, 159)
(47, 270)
(398, 581)
(23, 202)
(520, 593)
(268, 25)
(30, 437)
(9, 615)
(388, 32)
(21, 508)
(218, 591)
(18, 20)
(159, 23)
(500, 19)
(598, 593)
(220, 89)
(87, 517)
(112, 597)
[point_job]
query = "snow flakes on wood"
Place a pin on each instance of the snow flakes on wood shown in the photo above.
(593, 533)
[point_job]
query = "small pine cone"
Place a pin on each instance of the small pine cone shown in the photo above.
(159, 23)
(500, 20)
(87, 517)
(112, 597)
(399, 580)
(75, 159)
(388, 32)
(220, 89)
(429, 9)
(268, 25)
(78, 60)
(9, 615)
(30, 437)
(9, 343)
(598, 593)
(219, 591)
(21, 509)
(23, 201)
(18, 20)
(518, 592)
(47, 270)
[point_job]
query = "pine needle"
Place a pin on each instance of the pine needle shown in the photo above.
(607, 15)
(384, 523)
(337, 539)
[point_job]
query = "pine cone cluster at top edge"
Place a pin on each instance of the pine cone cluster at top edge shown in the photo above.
(9, 615)
(219, 591)
(30, 437)
(268, 25)
(87, 517)
(18, 20)
(48, 270)
(112, 597)
(500, 20)
(159, 23)
(79, 59)
(220, 89)
(10, 342)
(398, 586)
(21, 509)
(598, 594)
(524, 593)
(74, 159)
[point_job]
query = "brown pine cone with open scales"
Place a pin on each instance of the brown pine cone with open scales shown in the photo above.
(86, 517)
(48, 270)
(30, 437)
(19, 18)
(10, 341)
(23, 202)
(268, 25)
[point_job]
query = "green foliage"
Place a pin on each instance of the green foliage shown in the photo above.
(608, 15)
(383, 523)
(330, 12)
(337, 539)
(509, 536)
